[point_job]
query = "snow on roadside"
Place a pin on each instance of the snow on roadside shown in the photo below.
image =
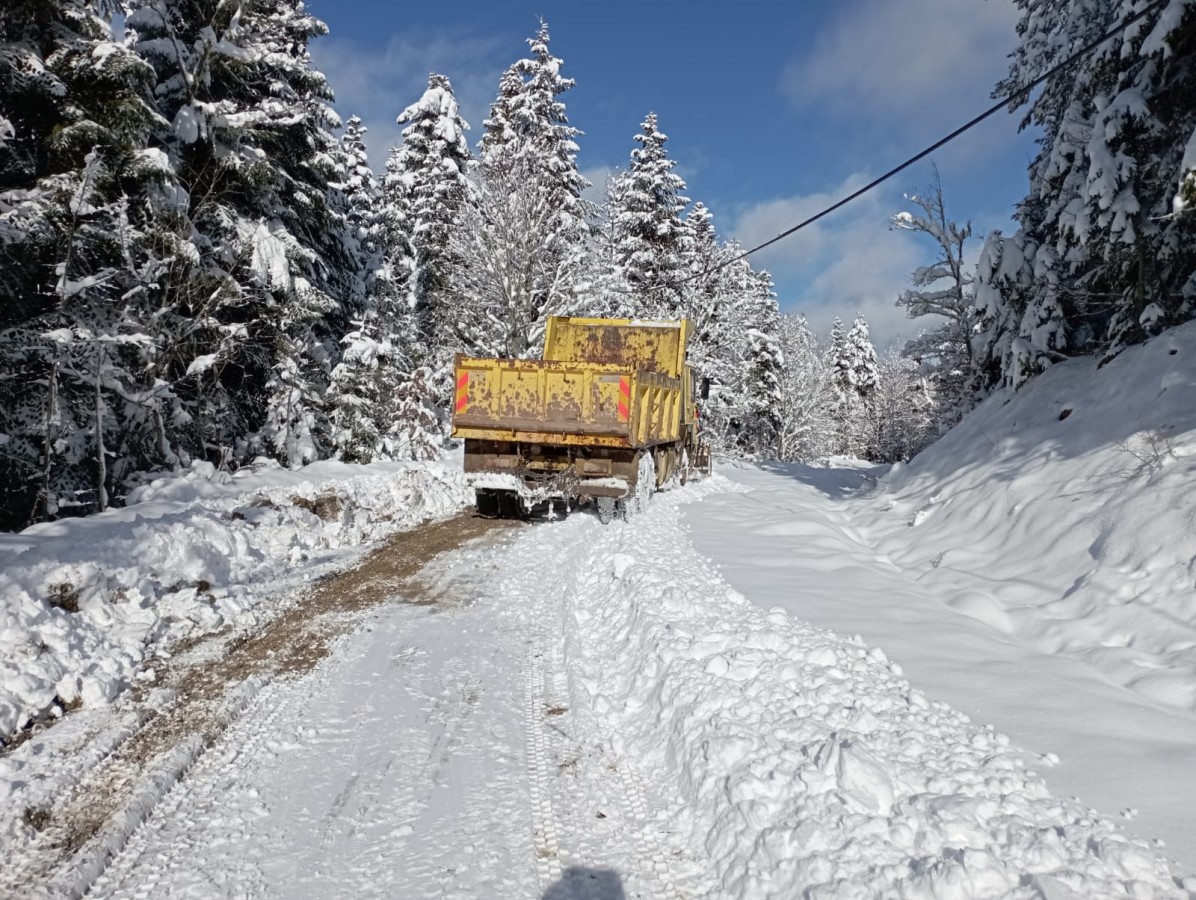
(85, 602)
(799, 757)
(1065, 515)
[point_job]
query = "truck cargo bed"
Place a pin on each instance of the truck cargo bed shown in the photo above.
(567, 403)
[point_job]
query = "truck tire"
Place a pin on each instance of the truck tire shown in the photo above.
(487, 503)
(606, 510)
(645, 484)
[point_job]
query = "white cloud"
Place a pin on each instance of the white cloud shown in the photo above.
(379, 83)
(910, 67)
(849, 262)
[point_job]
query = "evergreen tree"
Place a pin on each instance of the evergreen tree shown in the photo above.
(359, 187)
(901, 413)
(81, 404)
(652, 242)
(806, 430)
(1008, 349)
(836, 355)
(735, 345)
(854, 376)
(416, 427)
(602, 290)
(430, 175)
(522, 248)
(710, 302)
(1109, 262)
(528, 131)
(372, 363)
(859, 362)
(249, 138)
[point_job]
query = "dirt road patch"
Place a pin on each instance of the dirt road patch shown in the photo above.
(294, 642)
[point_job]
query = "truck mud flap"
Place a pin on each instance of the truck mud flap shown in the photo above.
(497, 504)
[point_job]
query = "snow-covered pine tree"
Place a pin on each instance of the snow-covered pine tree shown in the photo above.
(396, 270)
(942, 290)
(416, 429)
(860, 357)
(764, 367)
(248, 135)
(709, 307)
(430, 173)
(373, 358)
(651, 240)
(1004, 278)
(76, 380)
(523, 247)
(806, 430)
(1111, 263)
(358, 392)
(901, 414)
(735, 345)
(836, 355)
(852, 360)
(602, 291)
(360, 190)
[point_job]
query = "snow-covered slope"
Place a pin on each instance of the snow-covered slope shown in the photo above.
(1065, 515)
(84, 601)
(1033, 569)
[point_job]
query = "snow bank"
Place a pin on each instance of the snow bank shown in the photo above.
(802, 758)
(1069, 510)
(83, 602)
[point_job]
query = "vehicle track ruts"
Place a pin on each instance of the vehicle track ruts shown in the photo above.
(539, 780)
(84, 830)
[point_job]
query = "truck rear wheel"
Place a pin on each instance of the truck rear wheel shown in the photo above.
(487, 503)
(645, 484)
(606, 510)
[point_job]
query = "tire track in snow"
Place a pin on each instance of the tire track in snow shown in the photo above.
(574, 768)
(544, 827)
(178, 818)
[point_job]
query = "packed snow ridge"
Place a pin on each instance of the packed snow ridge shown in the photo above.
(86, 602)
(796, 756)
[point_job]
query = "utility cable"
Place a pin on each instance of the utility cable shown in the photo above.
(1015, 98)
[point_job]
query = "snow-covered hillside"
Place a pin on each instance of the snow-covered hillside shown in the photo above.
(1035, 569)
(1065, 515)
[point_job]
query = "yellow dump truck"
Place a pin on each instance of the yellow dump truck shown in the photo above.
(609, 415)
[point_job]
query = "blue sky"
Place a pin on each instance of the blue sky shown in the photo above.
(772, 109)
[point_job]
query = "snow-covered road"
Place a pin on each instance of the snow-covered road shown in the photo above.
(566, 710)
(395, 769)
(433, 755)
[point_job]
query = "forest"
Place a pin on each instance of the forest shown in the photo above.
(198, 263)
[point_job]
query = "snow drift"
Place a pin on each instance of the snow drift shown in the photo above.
(796, 756)
(1065, 515)
(84, 602)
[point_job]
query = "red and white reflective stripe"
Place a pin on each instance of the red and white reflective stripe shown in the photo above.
(624, 399)
(462, 391)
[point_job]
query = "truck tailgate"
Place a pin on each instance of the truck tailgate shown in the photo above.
(541, 397)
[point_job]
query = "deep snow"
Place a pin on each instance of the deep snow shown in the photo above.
(84, 603)
(593, 712)
(1035, 569)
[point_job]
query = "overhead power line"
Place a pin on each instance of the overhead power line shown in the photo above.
(1014, 98)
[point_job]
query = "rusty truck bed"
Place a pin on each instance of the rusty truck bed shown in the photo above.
(564, 403)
